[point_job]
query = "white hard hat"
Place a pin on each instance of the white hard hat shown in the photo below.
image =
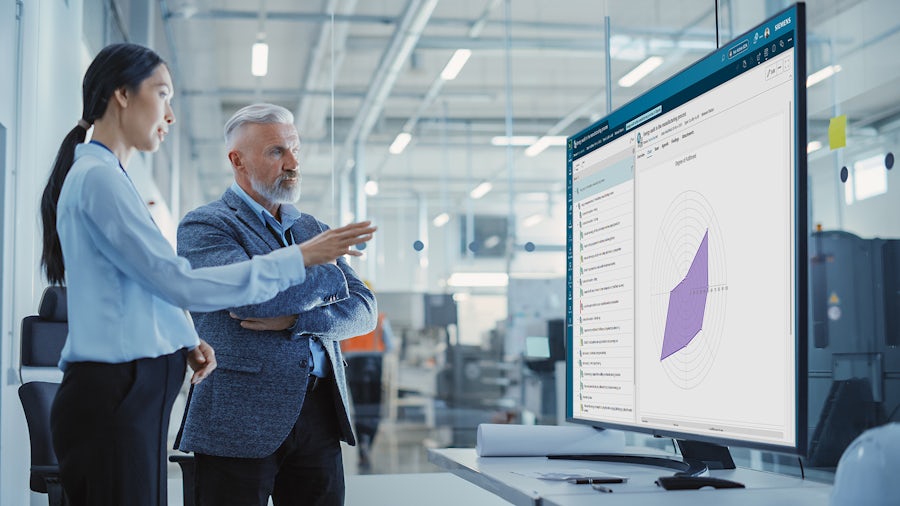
(867, 471)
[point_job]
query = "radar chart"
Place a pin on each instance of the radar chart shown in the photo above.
(688, 289)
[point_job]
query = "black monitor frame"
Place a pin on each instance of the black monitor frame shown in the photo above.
(672, 93)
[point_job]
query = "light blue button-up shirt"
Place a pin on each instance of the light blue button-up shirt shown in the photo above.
(289, 215)
(126, 286)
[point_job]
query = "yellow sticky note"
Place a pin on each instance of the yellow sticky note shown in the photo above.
(837, 132)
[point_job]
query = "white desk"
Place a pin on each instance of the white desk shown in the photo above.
(433, 489)
(499, 475)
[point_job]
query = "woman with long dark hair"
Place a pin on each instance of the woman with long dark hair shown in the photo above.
(129, 339)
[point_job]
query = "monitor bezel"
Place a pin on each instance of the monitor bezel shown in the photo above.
(801, 234)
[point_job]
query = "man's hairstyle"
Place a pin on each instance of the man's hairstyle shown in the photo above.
(256, 113)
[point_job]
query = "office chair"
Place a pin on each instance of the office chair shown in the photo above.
(43, 337)
(37, 397)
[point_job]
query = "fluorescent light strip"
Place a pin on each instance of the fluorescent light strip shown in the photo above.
(532, 220)
(823, 74)
(492, 241)
(259, 63)
(481, 190)
(441, 220)
(456, 63)
(400, 143)
(640, 72)
(543, 143)
(515, 140)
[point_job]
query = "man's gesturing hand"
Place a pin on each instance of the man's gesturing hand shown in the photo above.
(336, 242)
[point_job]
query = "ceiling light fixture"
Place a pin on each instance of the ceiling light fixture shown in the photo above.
(481, 190)
(492, 241)
(544, 143)
(259, 64)
(371, 187)
(455, 65)
(441, 220)
(532, 220)
(515, 140)
(640, 72)
(823, 74)
(400, 143)
(813, 146)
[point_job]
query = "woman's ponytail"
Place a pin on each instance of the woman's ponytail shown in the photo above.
(115, 67)
(51, 257)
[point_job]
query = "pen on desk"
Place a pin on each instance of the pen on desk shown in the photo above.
(585, 481)
(601, 488)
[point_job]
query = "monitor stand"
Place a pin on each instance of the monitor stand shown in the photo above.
(696, 458)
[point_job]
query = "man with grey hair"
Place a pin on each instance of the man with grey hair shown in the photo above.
(270, 421)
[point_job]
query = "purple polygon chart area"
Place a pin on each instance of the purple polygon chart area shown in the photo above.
(687, 303)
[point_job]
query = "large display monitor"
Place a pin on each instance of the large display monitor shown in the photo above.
(687, 227)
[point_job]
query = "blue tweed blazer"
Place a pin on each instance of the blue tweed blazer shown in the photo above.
(248, 405)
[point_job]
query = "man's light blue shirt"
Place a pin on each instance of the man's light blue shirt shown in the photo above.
(126, 286)
(289, 215)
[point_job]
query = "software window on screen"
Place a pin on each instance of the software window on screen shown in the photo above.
(682, 260)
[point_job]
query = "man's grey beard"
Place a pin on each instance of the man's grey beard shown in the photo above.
(278, 192)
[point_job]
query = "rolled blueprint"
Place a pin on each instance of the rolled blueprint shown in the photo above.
(498, 440)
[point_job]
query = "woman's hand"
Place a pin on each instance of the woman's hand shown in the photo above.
(336, 242)
(202, 360)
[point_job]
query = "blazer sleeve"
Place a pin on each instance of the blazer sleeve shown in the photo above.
(354, 315)
(331, 303)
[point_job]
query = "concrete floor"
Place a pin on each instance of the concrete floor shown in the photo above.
(400, 473)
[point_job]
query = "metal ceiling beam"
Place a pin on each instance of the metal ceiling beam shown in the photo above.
(284, 93)
(337, 32)
(314, 66)
(406, 35)
(216, 143)
(461, 180)
(190, 13)
(460, 192)
(456, 128)
(470, 94)
(485, 44)
(322, 17)
(438, 84)
(594, 101)
(391, 183)
(403, 42)
(295, 94)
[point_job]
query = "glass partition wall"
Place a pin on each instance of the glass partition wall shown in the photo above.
(444, 122)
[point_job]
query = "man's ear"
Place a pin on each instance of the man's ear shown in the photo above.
(234, 156)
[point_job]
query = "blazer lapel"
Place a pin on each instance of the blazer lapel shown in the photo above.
(245, 215)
